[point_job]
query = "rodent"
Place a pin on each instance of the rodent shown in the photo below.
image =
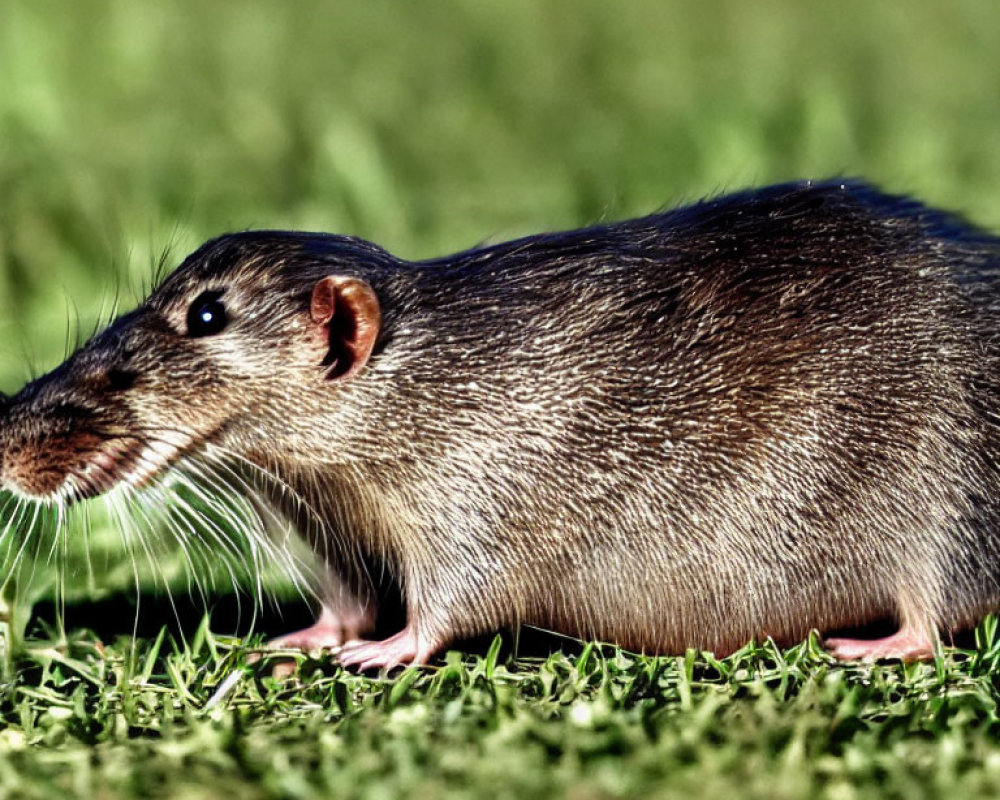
(765, 413)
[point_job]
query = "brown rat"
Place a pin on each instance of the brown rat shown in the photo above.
(771, 412)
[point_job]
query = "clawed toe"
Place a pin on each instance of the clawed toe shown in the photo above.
(402, 649)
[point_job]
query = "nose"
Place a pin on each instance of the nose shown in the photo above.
(44, 435)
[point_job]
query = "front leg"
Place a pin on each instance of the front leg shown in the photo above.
(447, 606)
(347, 607)
(345, 614)
(409, 646)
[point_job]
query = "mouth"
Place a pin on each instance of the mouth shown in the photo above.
(123, 461)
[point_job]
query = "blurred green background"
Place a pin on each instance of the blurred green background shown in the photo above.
(130, 128)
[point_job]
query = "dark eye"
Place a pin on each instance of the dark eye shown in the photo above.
(207, 315)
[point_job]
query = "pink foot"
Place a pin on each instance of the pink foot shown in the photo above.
(402, 648)
(329, 631)
(908, 644)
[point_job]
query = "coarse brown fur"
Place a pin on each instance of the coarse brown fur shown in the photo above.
(758, 415)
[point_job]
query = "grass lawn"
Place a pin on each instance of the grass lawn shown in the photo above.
(132, 132)
(139, 720)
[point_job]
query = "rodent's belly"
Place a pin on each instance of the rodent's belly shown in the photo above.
(670, 610)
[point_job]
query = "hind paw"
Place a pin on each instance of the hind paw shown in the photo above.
(909, 643)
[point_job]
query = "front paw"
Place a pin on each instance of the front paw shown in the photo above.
(402, 649)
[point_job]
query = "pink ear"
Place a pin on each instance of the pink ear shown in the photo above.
(347, 312)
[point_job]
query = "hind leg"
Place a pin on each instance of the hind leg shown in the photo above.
(909, 643)
(916, 639)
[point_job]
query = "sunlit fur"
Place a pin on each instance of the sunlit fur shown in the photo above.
(754, 416)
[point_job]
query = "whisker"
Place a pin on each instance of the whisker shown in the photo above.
(225, 519)
(113, 503)
(156, 569)
(247, 518)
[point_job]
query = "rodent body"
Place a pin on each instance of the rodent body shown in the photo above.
(759, 415)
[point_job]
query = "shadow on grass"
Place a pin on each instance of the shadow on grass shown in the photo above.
(121, 615)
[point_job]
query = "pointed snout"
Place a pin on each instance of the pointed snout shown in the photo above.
(43, 435)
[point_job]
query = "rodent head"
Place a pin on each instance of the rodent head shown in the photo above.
(225, 349)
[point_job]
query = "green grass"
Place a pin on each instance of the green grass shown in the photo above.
(139, 720)
(128, 129)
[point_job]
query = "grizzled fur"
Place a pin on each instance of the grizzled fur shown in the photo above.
(758, 415)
